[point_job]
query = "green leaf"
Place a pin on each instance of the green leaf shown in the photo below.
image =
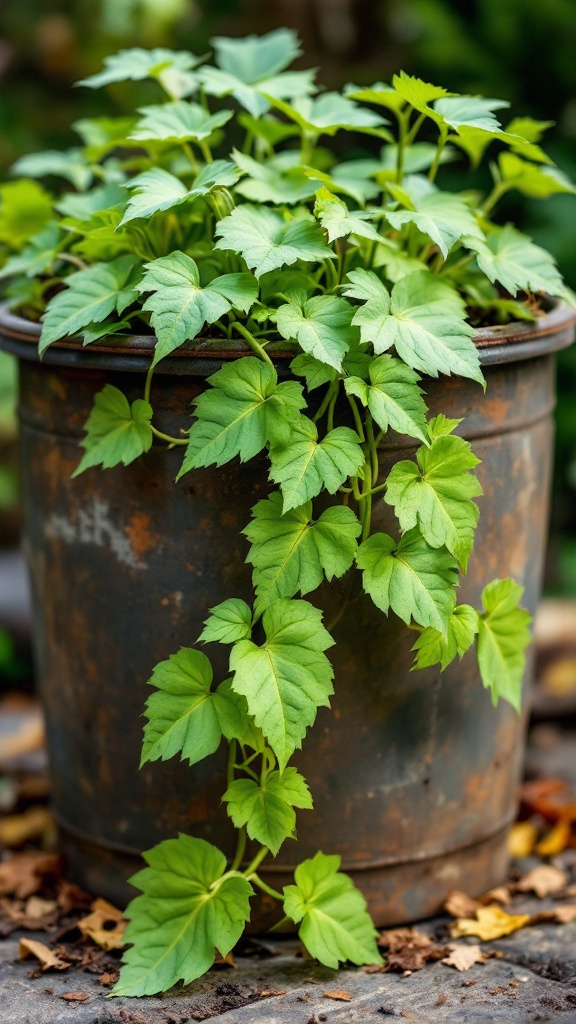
(442, 216)
(392, 396)
(234, 719)
(423, 318)
(181, 715)
(289, 677)
(503, 636)
(315, 373)
(180, 306)
(178, 122)
(69, 164)
(228, 622)
(330, 112)
(102, 135)
(432, 648)
(187, 910)
(36, 257)
(267, 810)
(512, 259)
(267, 241)
(435, 494)
(304, 466)
(381, 94)
(416, 581)
(532, 180)
(292, 553)
(81, 206)
(277, 181)
(252, 66)
(157, 190)
(470, 111)
(90, 296)
(339, 221)
(321, 326)
(25, 210)
(169, 67)
(116, 431)
(417, 93)
(243, 409)
(336, 926)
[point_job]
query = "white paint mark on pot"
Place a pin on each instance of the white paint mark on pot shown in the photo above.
(93, 525)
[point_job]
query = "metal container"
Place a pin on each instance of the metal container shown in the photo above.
(413, 774)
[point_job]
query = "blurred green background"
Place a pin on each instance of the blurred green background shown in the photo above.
(519, 50)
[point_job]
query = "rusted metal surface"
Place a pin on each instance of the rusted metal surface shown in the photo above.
(413, 774)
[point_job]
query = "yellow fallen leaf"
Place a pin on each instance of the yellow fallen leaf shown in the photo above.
(46, 956)
(491, 923)
(522, 839)
(104, 925)
(555, 841)
(17, 829)
(464, 957)
(543, 880)
(338, 993)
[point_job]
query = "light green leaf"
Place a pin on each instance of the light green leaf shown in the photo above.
(187, 911)
(321, 326)
(36, 257)
(339, 221)
(314, 372)
(442, 216)
(435, 494)
(69, 164)
(107, 329)
(157, 190)
(178, 122)
(423, 318)
(181, 714)
(267, 241)
(392, 396)
(336, 926)
(503, 636)
(228, 622)
(235, 721)
(81, 206)
(116, 431)
(243, 409)
(180, 306)
(169, 67)
(381, 94)
(250, 67)
(512, 259)
(432, 648)
(416, 581)
(277, 181)
(304, 466)
(531, 179)
(330, 112)
(289, 677)
(102, 135)
(267, 810)
(416, 92)
(292, 553)
(90, 296)
(470, 111)
(25, 210)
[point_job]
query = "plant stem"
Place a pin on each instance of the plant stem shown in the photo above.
(205, 148)
(497, 192)
(332, 387)
(266, 888)
(441, 143)
(148, 384)
(231, 763)
(254, 345)
(166, 437)
(240, 850)
(191, 157)
(256, 861)
(374, 490)
(357, 420)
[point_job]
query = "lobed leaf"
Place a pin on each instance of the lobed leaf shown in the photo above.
(267, 241)
(228, 622)
(267, 810)
(432, 648)
(304, 466)
(503, 636)
(117, 432)
(321, 326)
(178, 122)
(157, 190)
(392, 397)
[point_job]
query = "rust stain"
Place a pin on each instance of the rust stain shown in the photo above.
(496, 409)
(141, 536)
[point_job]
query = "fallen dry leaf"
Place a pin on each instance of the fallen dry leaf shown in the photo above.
(46, 957)
(491, 923)
(407, 949)
(17, 829)
(224, 961)
(338, 993)
(459, 904)
(558, 915)
(105, 925)
(543, 880)
(109, 977)
(23, 874)
(36, 907)
(522, 839)
(555, 841)
(500, 894)
(74, 997)
(265, 993)
(464, 957)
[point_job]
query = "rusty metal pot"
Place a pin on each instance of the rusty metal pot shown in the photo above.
(413, 775)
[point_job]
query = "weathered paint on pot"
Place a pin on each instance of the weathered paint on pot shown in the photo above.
(413, 774)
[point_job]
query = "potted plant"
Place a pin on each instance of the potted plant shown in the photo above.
(334, 323)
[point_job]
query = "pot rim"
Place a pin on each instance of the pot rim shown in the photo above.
(506, 343)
